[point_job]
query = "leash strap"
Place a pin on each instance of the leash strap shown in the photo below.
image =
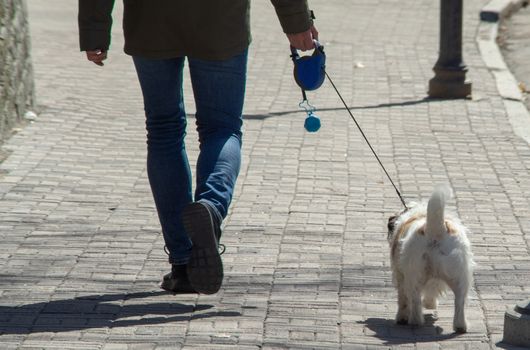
(366, 139)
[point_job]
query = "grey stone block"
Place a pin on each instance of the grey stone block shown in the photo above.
(496, 10)
(517, 325)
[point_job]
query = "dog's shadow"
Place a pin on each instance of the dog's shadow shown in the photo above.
(98, 311)
(394, 334)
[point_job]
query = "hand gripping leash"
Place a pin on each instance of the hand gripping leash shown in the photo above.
(309, 74)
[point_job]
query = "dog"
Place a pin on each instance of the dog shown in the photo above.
(430, 252)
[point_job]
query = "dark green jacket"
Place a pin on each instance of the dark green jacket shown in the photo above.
(207, 29)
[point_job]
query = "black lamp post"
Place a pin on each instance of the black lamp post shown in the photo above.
(450, 71)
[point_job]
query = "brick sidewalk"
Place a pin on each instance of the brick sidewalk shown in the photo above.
(307, 263)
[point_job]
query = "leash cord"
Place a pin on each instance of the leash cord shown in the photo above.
(366, 139)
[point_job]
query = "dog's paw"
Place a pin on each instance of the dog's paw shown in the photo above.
(402, 321)
(416, 321)
(460, 328)
(402, 317)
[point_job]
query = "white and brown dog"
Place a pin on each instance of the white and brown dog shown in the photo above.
(430, 251)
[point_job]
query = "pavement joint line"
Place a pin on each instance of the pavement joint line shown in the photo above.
(492, 15)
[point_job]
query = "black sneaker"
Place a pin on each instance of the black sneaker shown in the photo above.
(177, 281)
(205, 268)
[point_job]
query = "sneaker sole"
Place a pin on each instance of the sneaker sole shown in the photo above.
(205, 267)
(173, 287)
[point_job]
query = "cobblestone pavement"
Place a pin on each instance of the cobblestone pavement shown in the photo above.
(307, 263)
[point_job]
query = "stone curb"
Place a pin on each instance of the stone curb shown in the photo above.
(491, 15)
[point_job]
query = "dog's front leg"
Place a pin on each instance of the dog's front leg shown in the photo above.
(415, 307)
(402, 316)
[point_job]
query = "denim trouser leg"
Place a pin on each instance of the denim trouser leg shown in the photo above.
(219, 88)
(167, 163)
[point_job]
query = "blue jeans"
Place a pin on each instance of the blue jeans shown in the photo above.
(219, 89)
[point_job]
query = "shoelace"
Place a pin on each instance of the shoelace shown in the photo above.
(221, 247)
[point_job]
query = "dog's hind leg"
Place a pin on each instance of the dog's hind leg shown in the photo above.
(460, 289)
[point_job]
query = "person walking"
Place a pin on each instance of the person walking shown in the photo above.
(214, 37)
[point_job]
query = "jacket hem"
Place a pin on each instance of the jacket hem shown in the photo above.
(173, 53)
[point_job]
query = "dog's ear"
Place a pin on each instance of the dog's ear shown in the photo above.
(391, 225)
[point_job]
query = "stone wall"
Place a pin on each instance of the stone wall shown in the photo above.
(16, 73)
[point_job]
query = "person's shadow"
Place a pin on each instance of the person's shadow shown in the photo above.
(97, 311)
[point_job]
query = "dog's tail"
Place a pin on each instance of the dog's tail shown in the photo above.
(435, 226)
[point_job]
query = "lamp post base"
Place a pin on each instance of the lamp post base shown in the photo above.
(449, 84)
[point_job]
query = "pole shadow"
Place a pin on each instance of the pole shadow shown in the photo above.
(99, 311)
(381, 105)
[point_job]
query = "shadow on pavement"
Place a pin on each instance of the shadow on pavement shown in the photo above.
(381, 105)
(509, 347)
(393, 334)
(98, 311)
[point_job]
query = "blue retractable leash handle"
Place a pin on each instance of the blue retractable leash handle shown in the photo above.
(309, 73)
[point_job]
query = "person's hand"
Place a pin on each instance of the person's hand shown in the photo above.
(304, 41)
(96, 56)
